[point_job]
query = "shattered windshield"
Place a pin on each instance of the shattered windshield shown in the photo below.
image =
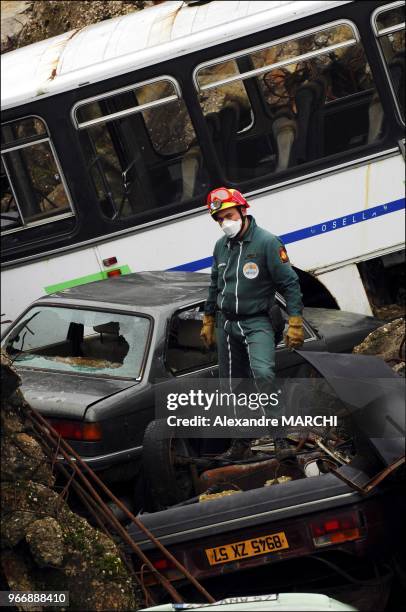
(80, 341)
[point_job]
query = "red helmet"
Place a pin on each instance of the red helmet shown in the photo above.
(222, 198)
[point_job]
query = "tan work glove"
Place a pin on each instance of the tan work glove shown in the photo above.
(294, 337)
(207, 332)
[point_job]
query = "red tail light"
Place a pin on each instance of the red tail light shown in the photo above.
(116, 272)
(165, 567)
(336, 530)
(77, 430)
(163, 564)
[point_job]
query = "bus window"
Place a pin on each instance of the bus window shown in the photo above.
(319, 100)
(389, 27)
(32, 189)
(169, 126)
(10, 215)
(220, 97)
(141, 148)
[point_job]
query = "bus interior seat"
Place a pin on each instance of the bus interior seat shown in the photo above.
(213, 123)
(189, 349)
(375, 118)
(214, 128)
(71, 346)
(229, 126)
(309, 101)
(140, 197)
(284, 130)
(375, 111)
(108, 345)
(397, 71)
(191, 163)
(75, 337)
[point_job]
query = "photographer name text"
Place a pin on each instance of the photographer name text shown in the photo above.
(260, 421)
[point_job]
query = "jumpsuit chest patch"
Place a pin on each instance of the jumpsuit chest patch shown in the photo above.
(250, 270)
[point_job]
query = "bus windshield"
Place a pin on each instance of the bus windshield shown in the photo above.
(79, 341)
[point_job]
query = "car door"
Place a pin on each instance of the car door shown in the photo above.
(185, 354)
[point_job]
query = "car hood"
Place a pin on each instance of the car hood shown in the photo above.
(339, 320)
(374, 395)
(63, 395)
(341, 330)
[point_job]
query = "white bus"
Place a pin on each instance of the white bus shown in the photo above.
(113, 134)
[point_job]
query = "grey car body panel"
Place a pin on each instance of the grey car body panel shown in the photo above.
(248, 509)
(66, 395)
(339, 329)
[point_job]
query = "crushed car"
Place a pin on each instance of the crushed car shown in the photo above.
(322, 511)
(90, 357)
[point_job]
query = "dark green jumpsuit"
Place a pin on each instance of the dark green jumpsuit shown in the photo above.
(244, 277)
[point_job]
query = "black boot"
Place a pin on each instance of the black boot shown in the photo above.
(240, 449)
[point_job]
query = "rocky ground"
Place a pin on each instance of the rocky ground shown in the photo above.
(45, 546)
(23, 23)
(387, 342)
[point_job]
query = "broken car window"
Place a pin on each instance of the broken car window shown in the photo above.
(186, 351)
(80, 341)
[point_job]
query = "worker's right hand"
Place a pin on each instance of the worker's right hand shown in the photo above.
(294, 337)
(207, 332)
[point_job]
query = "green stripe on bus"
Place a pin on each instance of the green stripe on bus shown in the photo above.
(82, 280)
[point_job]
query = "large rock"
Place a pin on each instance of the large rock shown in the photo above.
(14, 16)
(22, 458)
(46, 546)
(387, 342)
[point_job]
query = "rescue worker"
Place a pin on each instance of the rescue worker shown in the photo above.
(249, 265)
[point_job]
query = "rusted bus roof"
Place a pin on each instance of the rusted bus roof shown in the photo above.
(140, 39)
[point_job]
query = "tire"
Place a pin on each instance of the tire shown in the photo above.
(167, 483)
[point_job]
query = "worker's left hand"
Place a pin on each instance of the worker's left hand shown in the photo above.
(207, 333)
(294, 337)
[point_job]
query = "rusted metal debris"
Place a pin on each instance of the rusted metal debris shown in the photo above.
(358, 480)
(98, 508)
(335, 454)
(248, 476)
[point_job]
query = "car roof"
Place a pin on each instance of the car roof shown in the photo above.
(140, 290)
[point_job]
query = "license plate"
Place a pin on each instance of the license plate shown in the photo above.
(247, 548)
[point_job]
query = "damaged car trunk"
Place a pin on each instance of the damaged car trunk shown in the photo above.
(330, 496)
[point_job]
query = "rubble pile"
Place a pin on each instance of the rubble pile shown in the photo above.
(45, 546)
(388, 342)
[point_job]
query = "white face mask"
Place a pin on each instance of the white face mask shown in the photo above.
(231, 228)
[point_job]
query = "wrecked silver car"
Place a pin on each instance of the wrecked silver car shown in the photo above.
(90, 357)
